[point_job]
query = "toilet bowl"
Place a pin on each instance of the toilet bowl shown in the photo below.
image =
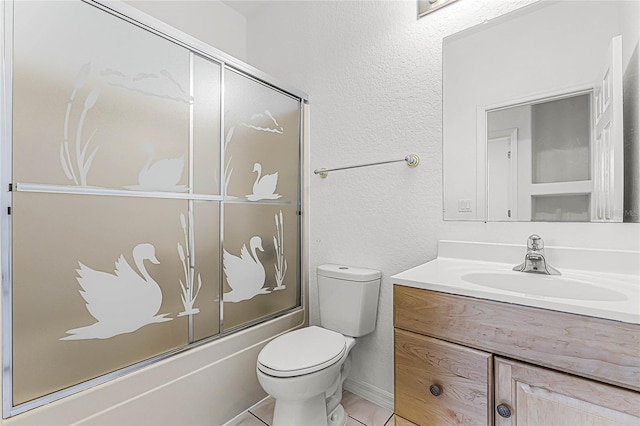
(304, 370)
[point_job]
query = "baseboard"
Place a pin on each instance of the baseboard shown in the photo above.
(370, 392)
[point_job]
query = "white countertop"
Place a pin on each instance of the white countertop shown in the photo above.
(445, 274)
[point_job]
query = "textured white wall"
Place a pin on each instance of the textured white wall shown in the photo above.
(630, 16)
(373, 73)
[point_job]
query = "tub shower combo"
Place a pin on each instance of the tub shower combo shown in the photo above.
(152, 196)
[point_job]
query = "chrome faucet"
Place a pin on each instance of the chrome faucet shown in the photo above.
(534, 261)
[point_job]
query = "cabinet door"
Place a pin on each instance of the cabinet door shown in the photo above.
(440, 383)
(537, 396)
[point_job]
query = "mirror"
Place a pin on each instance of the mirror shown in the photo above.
(541, 115)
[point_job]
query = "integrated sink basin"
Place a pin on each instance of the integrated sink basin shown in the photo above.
(544, 285)
(597, 283)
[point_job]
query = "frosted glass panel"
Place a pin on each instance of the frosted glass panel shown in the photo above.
(560, 208)
(105, 271)
(96, 286)
(97, 101)
(561, 140)
(260, 262)
(206, 274)
(261, 141)
(206, 126)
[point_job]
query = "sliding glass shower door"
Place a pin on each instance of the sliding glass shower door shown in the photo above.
(155, 199)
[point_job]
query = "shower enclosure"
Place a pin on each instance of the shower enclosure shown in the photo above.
(151, 197)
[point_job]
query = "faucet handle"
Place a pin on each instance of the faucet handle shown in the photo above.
(534, 242)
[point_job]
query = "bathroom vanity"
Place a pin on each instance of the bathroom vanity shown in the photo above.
(463, 358)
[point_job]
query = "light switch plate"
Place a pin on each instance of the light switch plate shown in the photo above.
(427, 6)
(464, 205)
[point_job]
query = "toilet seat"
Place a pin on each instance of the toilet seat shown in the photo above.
(301, 352)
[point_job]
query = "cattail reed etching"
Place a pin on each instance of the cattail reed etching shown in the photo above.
(78, 171)
(281, 262)
(188, 297)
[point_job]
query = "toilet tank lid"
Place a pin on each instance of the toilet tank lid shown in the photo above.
(350, 273)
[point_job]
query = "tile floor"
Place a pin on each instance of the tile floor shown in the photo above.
(361, 412)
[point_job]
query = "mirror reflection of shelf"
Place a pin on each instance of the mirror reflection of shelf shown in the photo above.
(561, 188)
(560, 208)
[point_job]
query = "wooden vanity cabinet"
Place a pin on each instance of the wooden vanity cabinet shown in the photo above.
(511, 364)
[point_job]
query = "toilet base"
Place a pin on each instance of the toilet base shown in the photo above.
(338, 417)
(312, 412)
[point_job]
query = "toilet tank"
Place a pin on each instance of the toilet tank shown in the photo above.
(348, 299)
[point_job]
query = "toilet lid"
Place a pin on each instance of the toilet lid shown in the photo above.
(301, 352)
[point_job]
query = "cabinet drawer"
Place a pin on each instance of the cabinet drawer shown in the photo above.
(462, 374)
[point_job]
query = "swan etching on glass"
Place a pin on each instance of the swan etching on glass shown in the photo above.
(122, 302)
(245, 274)
(265, 186)
(163, 175)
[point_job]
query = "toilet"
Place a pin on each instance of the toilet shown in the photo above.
(304, 370)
